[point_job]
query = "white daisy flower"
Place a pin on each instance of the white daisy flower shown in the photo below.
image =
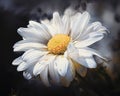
(57, 49)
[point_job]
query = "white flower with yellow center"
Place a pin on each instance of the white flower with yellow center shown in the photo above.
(57, 49)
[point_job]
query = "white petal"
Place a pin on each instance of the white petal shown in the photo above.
(39, 67)
(27, 75)
(75, 18)
(50, 27)
(93, 52)
(66, 24)
(80, 60)
(30, 69)
(27, 66)
(45, 21)
(17, 61)
(43, 62)
(88, 41)
(74, 55)
(28, 45)
(57, 22)
(70, 72)
(44, 76)
(90, 28)
(94, 28)
(61, 64)
(31, 56)
(80, 25)
(84, 53)
(66, 80)
(25, 41)
(91, 62)
(71, 50)
(22, 66)
(42, 28)
(27, 52)
(32, 34)
(74, 25)
(53, 72)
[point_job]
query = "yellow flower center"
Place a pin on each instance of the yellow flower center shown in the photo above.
(58, 44)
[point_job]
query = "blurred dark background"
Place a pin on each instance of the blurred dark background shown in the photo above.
(103, 81)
